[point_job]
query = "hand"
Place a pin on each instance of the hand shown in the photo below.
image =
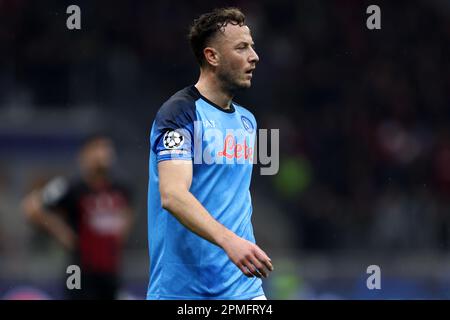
(248, 257)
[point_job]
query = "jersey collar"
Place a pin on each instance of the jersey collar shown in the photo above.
(231, 110)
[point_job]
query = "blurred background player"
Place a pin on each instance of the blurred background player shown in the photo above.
(90, 216)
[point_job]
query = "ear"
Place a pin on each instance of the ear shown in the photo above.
(211, 56)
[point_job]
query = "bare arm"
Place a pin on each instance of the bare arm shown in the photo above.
(175, 177)
(127, 224)
(36, 213)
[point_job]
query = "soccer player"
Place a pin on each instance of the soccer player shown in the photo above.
(201, 241)
(90, 216)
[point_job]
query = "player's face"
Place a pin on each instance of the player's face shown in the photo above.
(98, 155)
(237, 57)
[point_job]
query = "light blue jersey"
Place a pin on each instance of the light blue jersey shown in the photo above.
(220, 144)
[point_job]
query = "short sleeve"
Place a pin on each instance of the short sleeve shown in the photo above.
(56, 194)
(172, 136)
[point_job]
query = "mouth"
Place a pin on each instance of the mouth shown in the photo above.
(249, 73)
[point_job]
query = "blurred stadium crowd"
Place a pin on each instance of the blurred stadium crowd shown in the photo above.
(364, 115)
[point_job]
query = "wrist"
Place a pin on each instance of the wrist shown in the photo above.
(225, 238)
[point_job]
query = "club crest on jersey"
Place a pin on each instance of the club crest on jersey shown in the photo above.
(248, 125)
(173, 140)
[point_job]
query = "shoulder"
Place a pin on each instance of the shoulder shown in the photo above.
(60, 188)
(244, 112)
(180, 106)
(121, 186)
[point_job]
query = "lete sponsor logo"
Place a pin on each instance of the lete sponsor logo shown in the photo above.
(232, 149)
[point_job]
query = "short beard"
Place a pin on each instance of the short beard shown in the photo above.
(100, 171)
(228, 83)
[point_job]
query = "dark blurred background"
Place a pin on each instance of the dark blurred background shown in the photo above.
(364, 133)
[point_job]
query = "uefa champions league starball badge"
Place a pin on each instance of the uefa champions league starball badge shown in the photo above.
(173, 140)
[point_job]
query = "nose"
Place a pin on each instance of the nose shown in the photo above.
(253, 58)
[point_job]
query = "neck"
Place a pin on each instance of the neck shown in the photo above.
(95, 178)
(209, 86)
